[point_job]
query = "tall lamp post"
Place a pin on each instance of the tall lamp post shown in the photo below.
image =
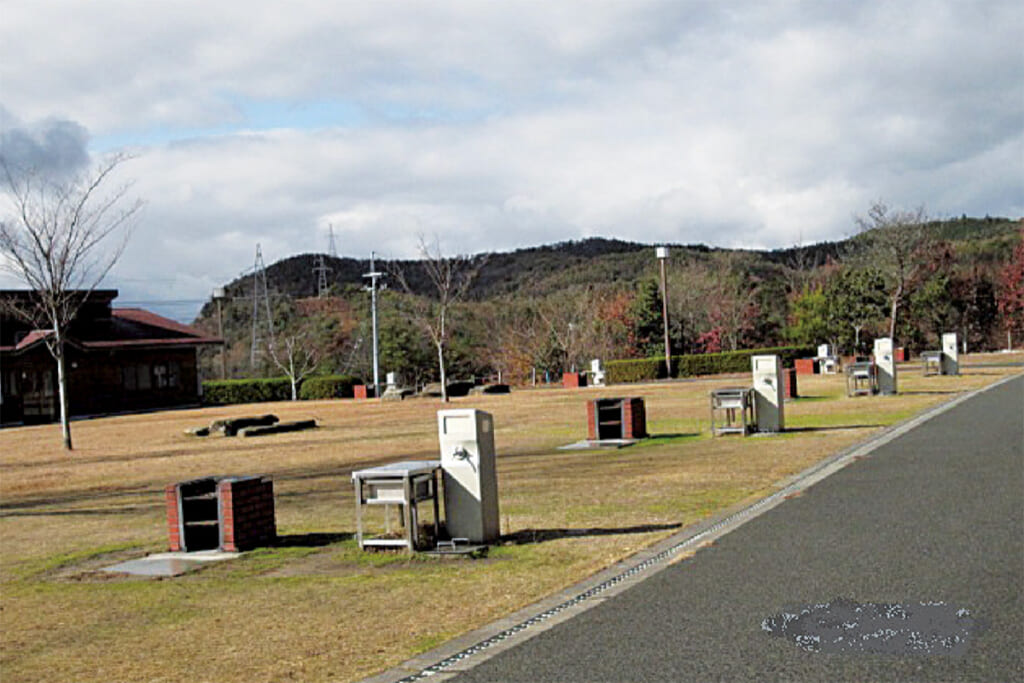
(662, 254)
(374, 276)
(219, 294)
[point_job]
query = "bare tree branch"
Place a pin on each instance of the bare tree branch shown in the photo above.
(896, 243)
(56, 240)
(451, 277)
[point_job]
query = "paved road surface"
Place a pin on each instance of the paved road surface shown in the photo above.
(935, 516)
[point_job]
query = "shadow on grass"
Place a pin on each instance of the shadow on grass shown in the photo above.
(73, 512)
(833, 428)
(314, 540)
(527, 536)
(927, 392)
(680, 435)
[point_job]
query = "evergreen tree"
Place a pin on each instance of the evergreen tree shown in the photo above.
(647, 330)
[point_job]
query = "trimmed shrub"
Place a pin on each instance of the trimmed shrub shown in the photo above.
(643, 369)
(646, 369)
(231, 391)
(328, 386)
(460, 388)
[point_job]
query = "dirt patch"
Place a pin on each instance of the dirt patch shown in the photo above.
(90, 569)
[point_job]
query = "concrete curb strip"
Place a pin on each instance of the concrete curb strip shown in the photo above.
(464, 652)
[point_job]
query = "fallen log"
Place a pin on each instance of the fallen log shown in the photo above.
(279, 428)
(232, 425)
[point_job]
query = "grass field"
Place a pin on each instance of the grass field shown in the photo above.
(318, 609)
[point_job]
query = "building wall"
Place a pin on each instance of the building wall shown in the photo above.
(99, 382)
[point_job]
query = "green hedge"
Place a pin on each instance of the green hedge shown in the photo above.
(624, 371)
(645, 369)
(328, 386)
(231, 391)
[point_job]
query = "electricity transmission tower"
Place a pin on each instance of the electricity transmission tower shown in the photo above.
(332, 251)
(321, 268)
(260, 308)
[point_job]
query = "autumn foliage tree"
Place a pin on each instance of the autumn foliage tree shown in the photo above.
(1011, 294)
(896, 243)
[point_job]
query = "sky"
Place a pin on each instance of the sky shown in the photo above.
(498, 125)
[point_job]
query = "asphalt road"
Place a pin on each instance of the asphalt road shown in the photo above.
(904, 566)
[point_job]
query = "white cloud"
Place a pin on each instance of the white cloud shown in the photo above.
(498, 125)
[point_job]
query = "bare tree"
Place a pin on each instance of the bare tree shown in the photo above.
(61, 239)
(295, 355)
(896, 243)
(451, 277)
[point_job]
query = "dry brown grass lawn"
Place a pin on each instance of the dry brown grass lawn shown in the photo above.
(329, 612)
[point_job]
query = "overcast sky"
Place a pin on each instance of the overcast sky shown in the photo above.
(497, 125)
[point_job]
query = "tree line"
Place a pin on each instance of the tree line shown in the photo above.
(536, 313)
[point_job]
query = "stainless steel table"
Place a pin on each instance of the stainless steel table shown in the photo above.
(734, 406)
(399, 483)
(861, 379)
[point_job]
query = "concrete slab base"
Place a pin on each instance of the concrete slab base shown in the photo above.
(588, 444)
(169, 564)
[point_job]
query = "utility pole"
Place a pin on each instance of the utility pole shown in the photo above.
(374, 275)
(662, 254)
(219, 295)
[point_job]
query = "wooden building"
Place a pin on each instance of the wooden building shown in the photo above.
(117, 360)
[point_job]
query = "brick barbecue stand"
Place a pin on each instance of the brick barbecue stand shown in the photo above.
(363, 391)
(229, 513)
(806, 366)
(790, 382)
(616, 418)
(574, 380)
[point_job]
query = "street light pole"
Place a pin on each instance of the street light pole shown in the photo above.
(662, 254)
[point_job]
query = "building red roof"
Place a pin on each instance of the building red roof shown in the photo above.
(127, 327)
(150, 319)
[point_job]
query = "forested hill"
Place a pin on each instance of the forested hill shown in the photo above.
(539, 271)
(552, 308)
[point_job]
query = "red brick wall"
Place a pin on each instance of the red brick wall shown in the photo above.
(806, 366)
(634, 419)
(173, 522)
(572, 380)
(247, 513)
(789, 382)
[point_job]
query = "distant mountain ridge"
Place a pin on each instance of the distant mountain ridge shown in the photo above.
(537, 271)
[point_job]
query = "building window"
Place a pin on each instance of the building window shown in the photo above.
(137, 377)
(160, 376)
(167, 375)
(129, 378)
(145, 379)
